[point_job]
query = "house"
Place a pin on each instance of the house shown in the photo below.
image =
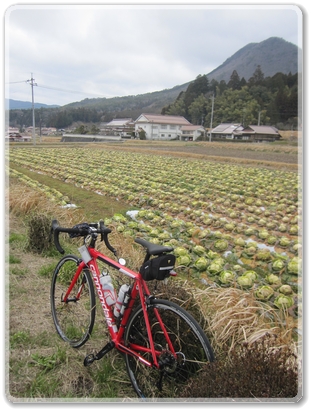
(227, 131)
(48, 131)
(260, 133)
(191, 132)
(252, 133)
(160, 127)
(121, 126)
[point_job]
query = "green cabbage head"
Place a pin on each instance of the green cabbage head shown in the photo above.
(226, 277)
(264, 293)
(273, 279)
(284, 301)
(201, 264)
(294, 265)
(184, 260)
(245, 282)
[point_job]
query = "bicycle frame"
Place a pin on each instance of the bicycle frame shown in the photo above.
(139, 288)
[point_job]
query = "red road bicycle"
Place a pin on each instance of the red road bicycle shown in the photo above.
(162, 343)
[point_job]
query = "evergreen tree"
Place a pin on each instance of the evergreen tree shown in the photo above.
(257, 78)
(234, 81)
(197, 110)
(195, 89)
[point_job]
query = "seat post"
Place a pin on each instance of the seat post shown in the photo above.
(147, 256)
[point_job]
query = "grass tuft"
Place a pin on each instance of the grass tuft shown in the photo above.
(257, 370)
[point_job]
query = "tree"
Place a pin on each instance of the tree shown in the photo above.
(236, 106)
(142, 134)
(94, 129)
(81, 129)
(257, 78)
(177, 109)
(221, 88)
(195, 89)
(197, 109)
(234, 81)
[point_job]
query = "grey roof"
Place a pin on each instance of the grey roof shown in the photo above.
(119, 122)
(230, 128)
(261, 130)
(227, 128)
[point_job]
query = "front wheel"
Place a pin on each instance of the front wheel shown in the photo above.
(191, 346)
(74, 319)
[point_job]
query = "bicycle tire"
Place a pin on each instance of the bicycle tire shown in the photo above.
(189, 341)
(73, 320)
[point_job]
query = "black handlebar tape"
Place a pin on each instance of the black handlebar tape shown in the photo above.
(104, 231)
(56, 240)
(57, 229)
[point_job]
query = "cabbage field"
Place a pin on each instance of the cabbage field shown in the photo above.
(231, 225)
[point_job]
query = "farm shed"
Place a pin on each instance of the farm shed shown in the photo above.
(160, 127)
(231, 131)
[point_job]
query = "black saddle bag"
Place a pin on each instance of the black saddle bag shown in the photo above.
(158, 268)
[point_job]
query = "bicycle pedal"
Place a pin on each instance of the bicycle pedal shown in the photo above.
(89, 359)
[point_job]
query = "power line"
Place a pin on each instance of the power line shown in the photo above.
(57, 89)
(15, 82)
(60, 89)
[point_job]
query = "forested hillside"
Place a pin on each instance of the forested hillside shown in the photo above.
(271, 100)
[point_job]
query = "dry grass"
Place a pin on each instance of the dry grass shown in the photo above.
(23, 201)
(235, 317)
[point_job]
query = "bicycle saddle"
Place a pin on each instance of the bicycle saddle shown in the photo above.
(153, 249)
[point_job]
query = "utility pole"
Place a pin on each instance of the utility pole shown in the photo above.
(32, 83)
(259, 113)
(212, 113)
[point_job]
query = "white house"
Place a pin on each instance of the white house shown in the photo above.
(159, 127)
(192, 132)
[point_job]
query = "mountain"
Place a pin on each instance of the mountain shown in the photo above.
(11, 104)
(272, 55)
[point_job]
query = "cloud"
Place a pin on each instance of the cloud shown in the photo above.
(89, 51)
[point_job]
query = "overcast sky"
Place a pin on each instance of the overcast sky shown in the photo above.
(77, 52)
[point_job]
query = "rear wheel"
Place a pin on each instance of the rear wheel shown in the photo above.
(74, 319)
(191, 346)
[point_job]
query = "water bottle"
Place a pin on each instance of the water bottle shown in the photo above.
(108, 289)
(120, 300)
